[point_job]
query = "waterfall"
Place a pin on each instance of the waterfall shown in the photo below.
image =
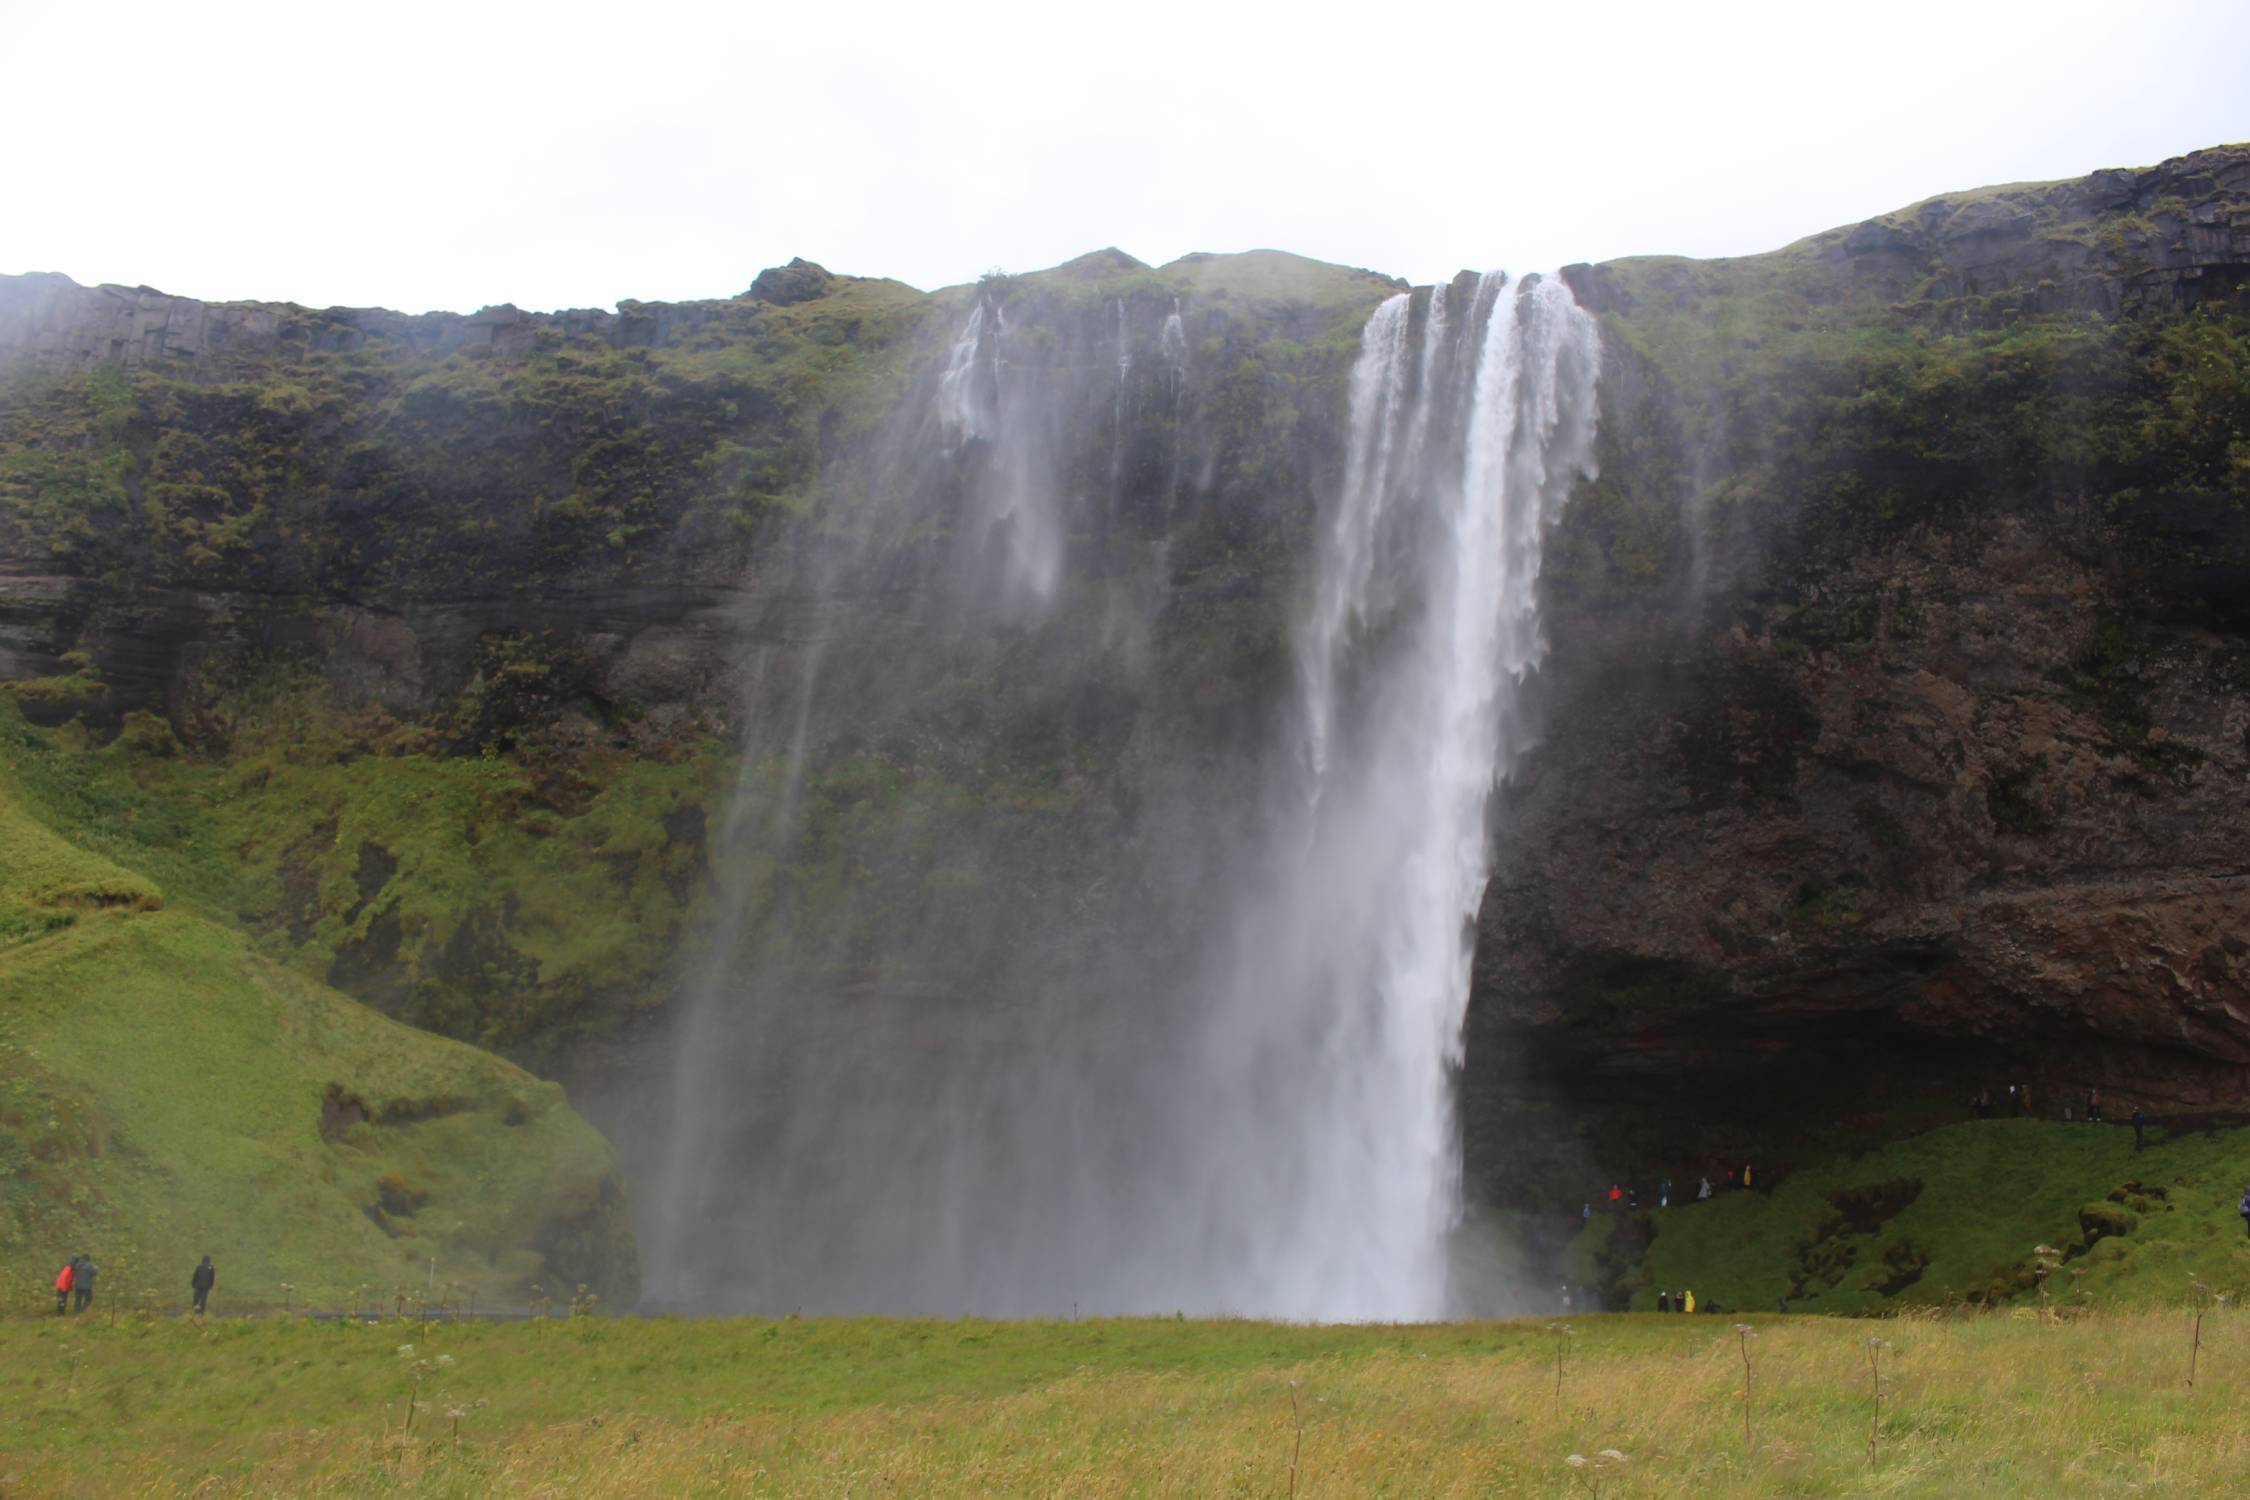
(1225, 1085)
(1171, 341)
(1471, 418)
(996, 422)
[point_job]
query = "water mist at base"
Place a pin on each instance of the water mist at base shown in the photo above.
(1238, 1103)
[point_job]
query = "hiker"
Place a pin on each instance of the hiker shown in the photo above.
(1782, 1302)
(63, 1280)
(1616, 1196)
(1664, 1193)
(1980, 1104)
(1566, 1297)
(82, 1283)
(2023, 1101)
(1633, 1200)
(2243, 1208)
(1664, 1299)
(1586, 1213)
(2094, 1105)
(201, 1283)
(2140, 1141)
(1687, 1302)
(1704, 1191)
(1746, 1175)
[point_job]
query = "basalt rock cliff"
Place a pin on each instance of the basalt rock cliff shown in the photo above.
(1895, 726)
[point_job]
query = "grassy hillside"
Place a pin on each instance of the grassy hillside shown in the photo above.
(348, 847)
(167, 1092)
(1953, 1215)
(2092, 1405)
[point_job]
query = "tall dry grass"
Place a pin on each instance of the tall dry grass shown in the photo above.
(2001, 1406)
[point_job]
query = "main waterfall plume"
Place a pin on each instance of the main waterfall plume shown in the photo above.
(1212, 1072)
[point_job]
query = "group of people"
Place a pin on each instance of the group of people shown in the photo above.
(2016, 1103)
(1625, 1200)
(74, 1284)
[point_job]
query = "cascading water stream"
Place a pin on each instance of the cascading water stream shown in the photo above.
(1352, 977)
(1271, 1133)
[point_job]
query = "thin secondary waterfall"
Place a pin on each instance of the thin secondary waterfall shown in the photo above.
(1227, 1087)
(996, 422)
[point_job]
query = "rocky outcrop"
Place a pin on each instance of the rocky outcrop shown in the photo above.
(1944, 814)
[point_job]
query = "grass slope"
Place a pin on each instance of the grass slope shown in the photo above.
(164, 1094)
(2096, 1404)
(1956, 1214)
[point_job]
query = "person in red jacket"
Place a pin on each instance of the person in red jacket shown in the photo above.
(63, 1279)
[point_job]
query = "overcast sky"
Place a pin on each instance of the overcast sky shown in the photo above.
(453, 155)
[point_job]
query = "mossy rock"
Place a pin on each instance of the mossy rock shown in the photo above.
(2098, 1221)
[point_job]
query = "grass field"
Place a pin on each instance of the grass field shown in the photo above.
(2004, 1404)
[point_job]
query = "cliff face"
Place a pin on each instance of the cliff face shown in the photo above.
(1895, 737)
(1898, 739)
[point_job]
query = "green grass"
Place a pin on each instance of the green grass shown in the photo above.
(1964, 1207)
(2092, 1404)
(162, 1096)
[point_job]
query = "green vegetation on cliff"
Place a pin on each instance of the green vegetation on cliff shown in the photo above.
(1953, 1215)
(166, 1092)
(498, 899)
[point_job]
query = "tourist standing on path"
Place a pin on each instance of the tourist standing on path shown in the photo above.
(201, 1283)
(82, 1283)
(63, 1279)
(1704, 1191)
(1687, 1302)
(2140, 1141)
(2094, 1105)
(2243, 1208)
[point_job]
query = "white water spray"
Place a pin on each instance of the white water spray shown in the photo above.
(1422, 626)
(1012, 529)
(1268, 1128)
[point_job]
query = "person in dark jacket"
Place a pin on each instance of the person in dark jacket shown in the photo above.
(82, 1283)
(201, 1283)
(1664, 1301)
(2243, 1208)
(2140, 1124)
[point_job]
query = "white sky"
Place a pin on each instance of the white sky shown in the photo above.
(422, 156)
